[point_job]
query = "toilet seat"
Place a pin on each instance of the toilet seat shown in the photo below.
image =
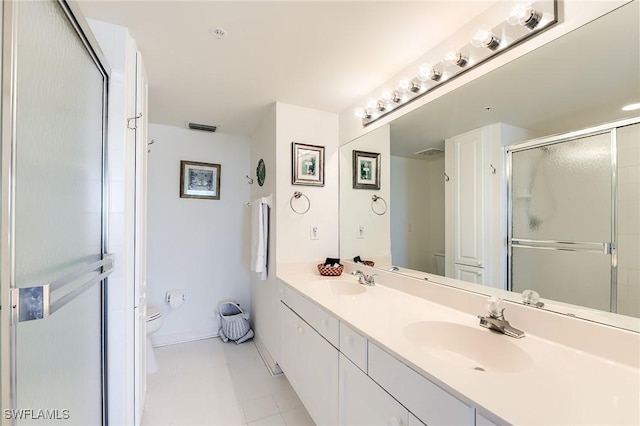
(152, 313)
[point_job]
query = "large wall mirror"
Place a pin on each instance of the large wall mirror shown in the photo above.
(577, 81)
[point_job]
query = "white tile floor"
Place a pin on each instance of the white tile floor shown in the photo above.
(209, 382)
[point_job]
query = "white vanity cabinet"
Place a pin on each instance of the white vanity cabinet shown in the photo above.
(363, 402)
(308, 360)
(475, 203)
(344, 379)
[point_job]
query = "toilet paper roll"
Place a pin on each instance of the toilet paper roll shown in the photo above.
(175, 299)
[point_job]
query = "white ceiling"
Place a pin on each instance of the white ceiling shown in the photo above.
(324, 55)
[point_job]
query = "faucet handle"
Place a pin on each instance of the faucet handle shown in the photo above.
(495, 307)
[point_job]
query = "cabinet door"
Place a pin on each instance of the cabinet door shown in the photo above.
(468, 200)
(470, 274)
(363, 402)
(320, 378)
(311, 366)
(291, 332)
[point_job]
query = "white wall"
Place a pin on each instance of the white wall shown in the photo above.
(200, 246)
(265, 298)
(313, 127)
(417, 212)
(355, 204)
(120, 50)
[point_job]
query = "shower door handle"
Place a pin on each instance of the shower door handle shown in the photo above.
(33, 303)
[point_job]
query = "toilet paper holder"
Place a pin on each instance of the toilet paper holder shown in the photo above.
(175, 298)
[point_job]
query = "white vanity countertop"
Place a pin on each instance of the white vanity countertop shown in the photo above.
(560, 385)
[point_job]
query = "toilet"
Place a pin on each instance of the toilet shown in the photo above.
(439, 263)
(154, 322)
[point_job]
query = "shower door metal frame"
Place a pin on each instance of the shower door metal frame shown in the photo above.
(610, 128)
(8, 339)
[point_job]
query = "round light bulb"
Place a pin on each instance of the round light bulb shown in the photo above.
(404, 84)
(387, 95)
(372, 104)
(359, 112)
(424, 72)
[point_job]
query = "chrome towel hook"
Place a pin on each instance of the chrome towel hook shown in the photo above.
(296, 195)
(374, 200)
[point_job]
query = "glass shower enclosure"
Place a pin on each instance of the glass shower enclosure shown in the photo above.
(562, 210)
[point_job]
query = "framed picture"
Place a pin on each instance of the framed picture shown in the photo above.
(199, 180)
(307, 164)
(366, 170)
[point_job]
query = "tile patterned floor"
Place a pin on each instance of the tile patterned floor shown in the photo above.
(209, 382)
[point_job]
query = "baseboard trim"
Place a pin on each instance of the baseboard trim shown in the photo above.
(272, 366)
(173, 339)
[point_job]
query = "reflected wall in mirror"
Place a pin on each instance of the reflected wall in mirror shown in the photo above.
(577, 81)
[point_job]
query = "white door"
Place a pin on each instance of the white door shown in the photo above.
(53, 219)
(140, 244)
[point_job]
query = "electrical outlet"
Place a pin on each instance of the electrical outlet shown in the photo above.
(315, 232)
(360, 232)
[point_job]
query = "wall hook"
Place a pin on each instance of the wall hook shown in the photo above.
(133, 118)
(148, 144)
(249, 179)
(446, 177)
(493, 169)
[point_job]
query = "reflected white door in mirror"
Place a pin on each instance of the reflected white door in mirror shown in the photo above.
(474, 204)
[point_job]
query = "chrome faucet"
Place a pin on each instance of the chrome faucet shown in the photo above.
(363, 278)
(394, 269)
(496, 321)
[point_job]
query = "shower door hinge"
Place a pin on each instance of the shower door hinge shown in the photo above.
(29, 303)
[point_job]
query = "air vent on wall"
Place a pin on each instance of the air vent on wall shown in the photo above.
(203, 127)
(430, 152)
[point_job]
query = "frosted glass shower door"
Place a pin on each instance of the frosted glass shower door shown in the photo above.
(562, 220)
(56, 250)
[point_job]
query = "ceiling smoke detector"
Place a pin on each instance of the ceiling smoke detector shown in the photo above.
(430, 152)
(203, 127)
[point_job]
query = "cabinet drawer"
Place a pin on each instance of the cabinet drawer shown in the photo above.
(323, 322)
(353, 346)
(431, 404)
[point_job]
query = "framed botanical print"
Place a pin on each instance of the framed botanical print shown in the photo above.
(307, 164)
(199, 180)
(366, 170)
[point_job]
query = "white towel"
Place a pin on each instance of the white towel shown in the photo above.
(259, 237)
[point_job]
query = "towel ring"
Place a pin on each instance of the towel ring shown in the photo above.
(297, 195)
(374, 199)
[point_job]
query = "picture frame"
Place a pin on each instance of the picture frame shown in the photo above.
(200, 180)
(307, 163)
(366, 170)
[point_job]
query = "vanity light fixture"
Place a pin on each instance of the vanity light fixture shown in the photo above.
(484, 37)
(428, 72)
(522, 22)
(525, 15)
(415, 86)
(456, 57)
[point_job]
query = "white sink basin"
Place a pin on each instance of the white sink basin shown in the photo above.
(342, 287)
(465, 347)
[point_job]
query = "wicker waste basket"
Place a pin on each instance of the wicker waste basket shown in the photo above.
(234, 323)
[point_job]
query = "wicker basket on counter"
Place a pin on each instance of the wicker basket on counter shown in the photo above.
(330, 271)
